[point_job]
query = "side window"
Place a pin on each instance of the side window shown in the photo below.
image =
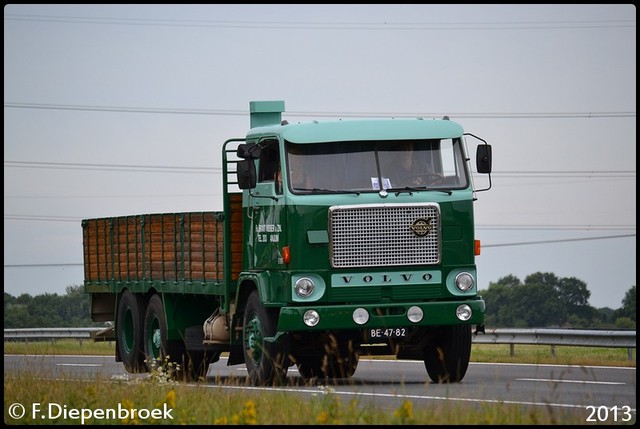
(269, 166)
(452, 163)
(447, 158)
(268, 162)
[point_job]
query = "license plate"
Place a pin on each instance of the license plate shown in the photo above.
(383, 333)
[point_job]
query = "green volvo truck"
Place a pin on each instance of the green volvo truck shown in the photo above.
(337, 239)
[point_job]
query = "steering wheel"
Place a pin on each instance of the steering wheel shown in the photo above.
(424, 179)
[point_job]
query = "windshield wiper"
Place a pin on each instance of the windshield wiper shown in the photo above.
(410, 190)
(329, 191)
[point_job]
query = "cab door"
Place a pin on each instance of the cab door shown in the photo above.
(266, 209)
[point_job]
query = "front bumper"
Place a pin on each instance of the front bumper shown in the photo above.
(334, 317)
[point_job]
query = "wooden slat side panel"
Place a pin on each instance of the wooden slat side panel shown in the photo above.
(155, 247)
(97, 250)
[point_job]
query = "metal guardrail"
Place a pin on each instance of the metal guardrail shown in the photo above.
(559, 337)
(35, 334)
(551, 337)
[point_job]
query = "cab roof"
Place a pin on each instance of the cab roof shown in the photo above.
(361, 130)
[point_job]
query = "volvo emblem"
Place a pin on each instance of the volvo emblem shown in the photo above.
(421, 226)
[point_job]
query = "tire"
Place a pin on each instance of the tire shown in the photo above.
(185, 365)
(129, 332)
(311, 367)
(159, 352)
(155, 334)
(343, 366)
(327, 366)
(267, 362)
(447, 357)
(339, 360)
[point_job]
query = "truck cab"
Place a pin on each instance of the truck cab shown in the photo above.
(358, 239)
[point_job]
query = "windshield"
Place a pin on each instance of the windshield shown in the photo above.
(374, 165)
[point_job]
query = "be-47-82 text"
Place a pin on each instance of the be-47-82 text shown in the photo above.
(388, 333)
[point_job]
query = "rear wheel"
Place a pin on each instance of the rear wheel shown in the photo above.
(155, 334)
(129, 331)
(267, 361)
(171, 356)
(447, 357)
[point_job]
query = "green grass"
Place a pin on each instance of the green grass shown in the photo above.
(560, 355)
(60, 347)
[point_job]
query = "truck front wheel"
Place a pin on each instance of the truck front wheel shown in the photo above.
(340, 359)
(328, 366)
(446, 358)
(129, 322)
(266, 361)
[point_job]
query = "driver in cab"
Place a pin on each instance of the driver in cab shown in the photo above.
(407, 169)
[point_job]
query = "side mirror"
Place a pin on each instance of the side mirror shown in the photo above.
(246, 174)
(483, 158)
(249, 151)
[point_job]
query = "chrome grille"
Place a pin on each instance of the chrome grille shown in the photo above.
(381, 235)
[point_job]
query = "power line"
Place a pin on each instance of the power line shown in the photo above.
(42, 218)
(125, 109)
(480, 227)
(318, 25)
(589, 227)
(590, 174)
(484, 246)
(101, 197)
(42, 265)
(563, 172)
(223, 112)
(524, 243)
(556, 227)
(111, 167)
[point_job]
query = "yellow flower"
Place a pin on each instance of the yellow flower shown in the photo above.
(249, 413)
(405, 412)
(131, 417)
(170, 399)
(323, 417)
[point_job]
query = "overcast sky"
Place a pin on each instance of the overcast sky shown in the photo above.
(123, 109)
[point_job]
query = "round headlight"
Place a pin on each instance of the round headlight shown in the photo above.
(360, 316)
(464, 281)
(463, 312)
(304, 287)
(311, 318)
(415, 314)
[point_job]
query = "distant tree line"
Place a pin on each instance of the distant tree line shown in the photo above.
(542, 301)
(547, 301)
(50, 310)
